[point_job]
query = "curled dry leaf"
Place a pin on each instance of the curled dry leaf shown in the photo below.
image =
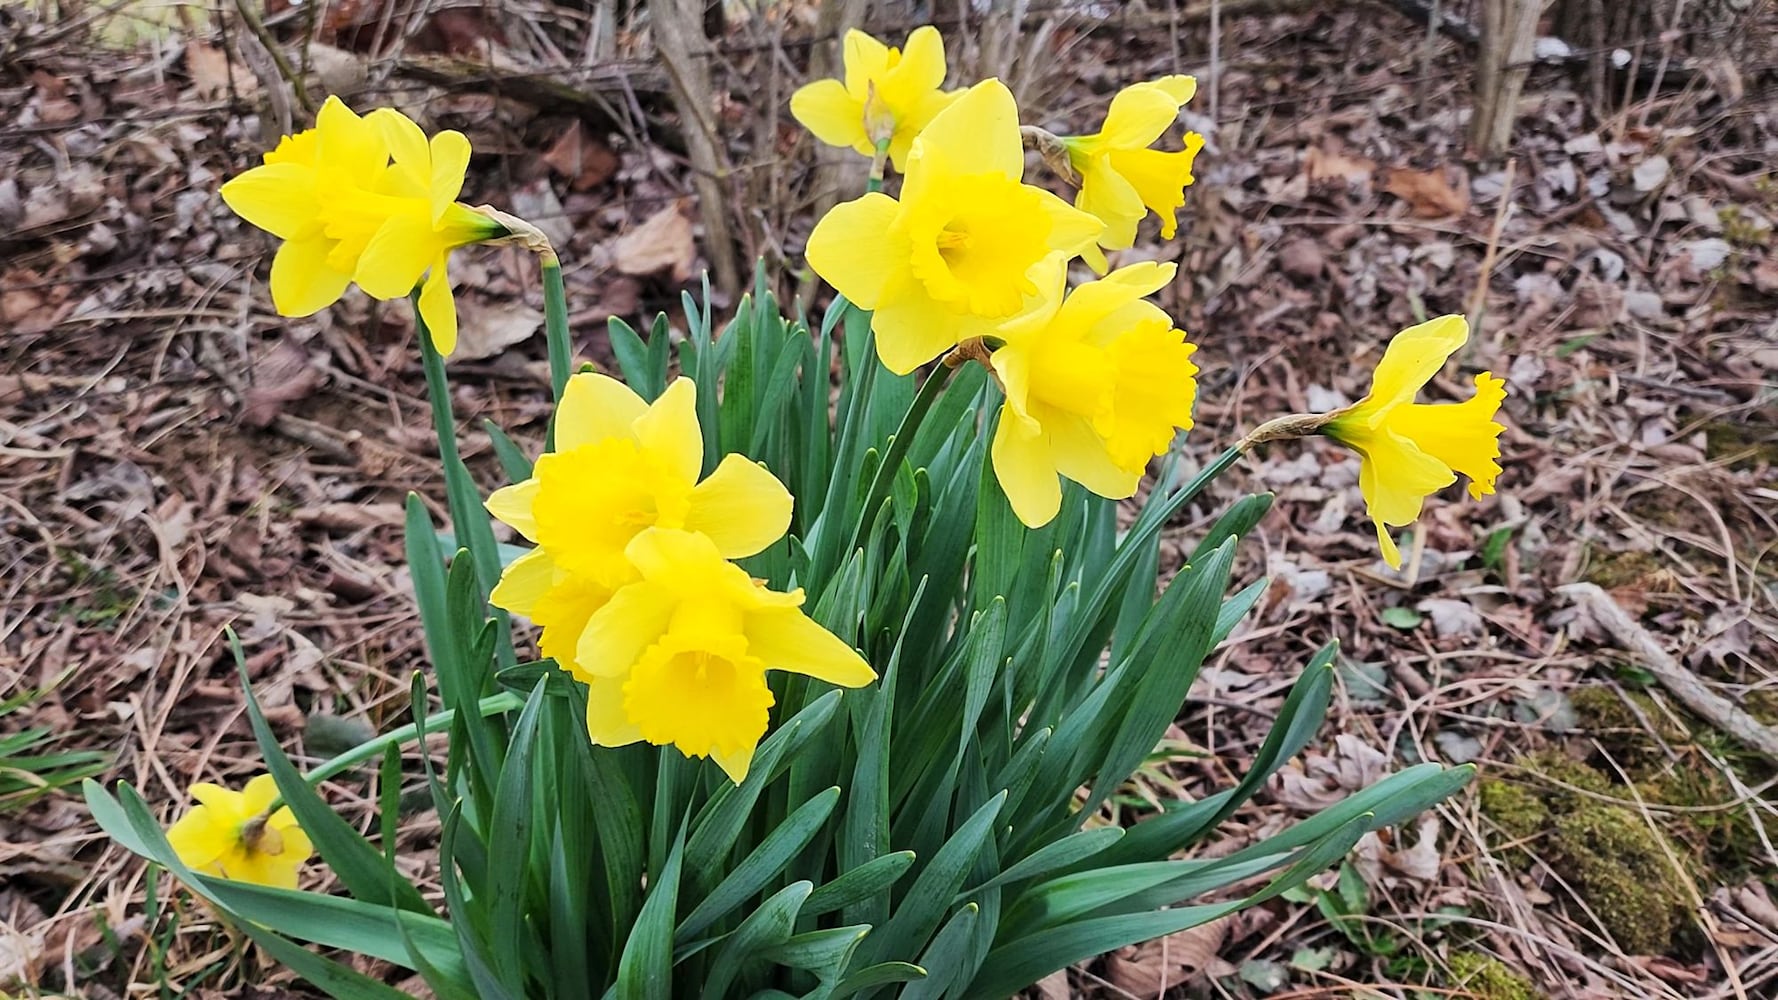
(1429, 193)
(585, 161)
(486, 329)
(1150, 968)
(663, 242)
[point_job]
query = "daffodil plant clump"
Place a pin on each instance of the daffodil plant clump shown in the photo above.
(830, 693)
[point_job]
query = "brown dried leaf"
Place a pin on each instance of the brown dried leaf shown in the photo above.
(1322, 166)
(1429, 193)
(281, 374)
(661, 243)
(484, 330)
(210, 71)
(585, 161)
(1150, 968)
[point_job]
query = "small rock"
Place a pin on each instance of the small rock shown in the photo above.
(1644, 305)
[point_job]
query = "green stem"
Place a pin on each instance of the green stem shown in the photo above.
(881, 156)
(899, 444)
(469, 521)
(505, 701)
(555, 326)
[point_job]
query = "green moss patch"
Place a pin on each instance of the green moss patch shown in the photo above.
(1488, 978)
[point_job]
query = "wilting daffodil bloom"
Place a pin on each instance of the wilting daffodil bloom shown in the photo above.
(680, 656)
(1411, 450)
(231, 835)
(423, 222)
(1096, 385)
(1121, 179)
(346, 213)
(954, 256)
(622, 465)
(888, 94)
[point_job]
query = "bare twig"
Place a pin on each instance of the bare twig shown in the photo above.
(1681, 682)
(683, 47)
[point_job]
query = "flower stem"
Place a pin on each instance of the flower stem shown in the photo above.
(505, 701)
(469, 522)
(555, 330)
(877, 160)
(899, 443)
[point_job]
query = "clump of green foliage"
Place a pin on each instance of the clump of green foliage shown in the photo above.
(30, 766)
(1488, 978)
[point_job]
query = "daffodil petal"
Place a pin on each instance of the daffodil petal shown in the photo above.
(524, 582)
(735, 764)
(1464, 435)
(1412, 358)
(606, 723)
(303, 282)
(829, 113)
(1137, 117)
(397, 256)
(979, 133)
(595, 407)
(198, 838)
(855, 251)
(912, 328)
(1081, 455)
(258, 794)
(922, 65)
(1026, 471)
(865, 59)
(450, 160)
(668, 433)
(1071, 230)
(352, 142)
(279, 198)
(741, 507)
(512, 506)
(438, 307)
(410, 150)
(787, 639)
(628, 624)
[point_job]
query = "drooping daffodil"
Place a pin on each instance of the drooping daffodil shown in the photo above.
(680, 656)
(346, 213)
(1121, 178)
(231, 834)
(888, 94)
(955, 255)
(1096, 383)
(1408, 450)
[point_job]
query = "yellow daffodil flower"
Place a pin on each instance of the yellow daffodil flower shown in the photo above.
(1411, 450)
(346, 213)
(622, 465)
(1096, 385)
(954, 256)
(231, 835)
(1121, 179)
(298, 195)
(888, 93)
(680, 656)
(423, 223)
